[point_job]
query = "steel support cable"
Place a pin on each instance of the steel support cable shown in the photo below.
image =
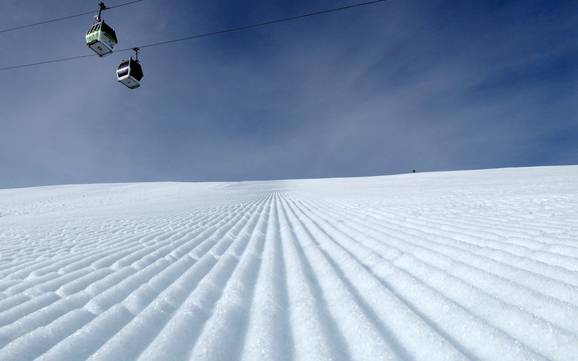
(20, 27)
(204, 35)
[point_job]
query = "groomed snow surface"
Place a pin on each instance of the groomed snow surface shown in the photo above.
(479, 265)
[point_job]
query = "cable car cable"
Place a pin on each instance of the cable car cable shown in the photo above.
(20, 27)
(52, 61)
(257, 25)
(203, 35)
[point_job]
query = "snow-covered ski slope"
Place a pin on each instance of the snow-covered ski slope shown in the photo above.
(478, 265)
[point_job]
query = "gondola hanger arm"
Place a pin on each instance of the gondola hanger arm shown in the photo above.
(101, 8)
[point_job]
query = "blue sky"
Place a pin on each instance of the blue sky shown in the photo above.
(410, 84)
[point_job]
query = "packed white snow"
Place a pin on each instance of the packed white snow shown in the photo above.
(477, 265)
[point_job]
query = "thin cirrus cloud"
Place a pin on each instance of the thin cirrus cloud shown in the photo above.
(385, 89)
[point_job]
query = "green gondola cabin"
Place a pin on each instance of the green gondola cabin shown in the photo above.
(101, 38)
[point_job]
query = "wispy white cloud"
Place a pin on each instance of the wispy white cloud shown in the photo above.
(382, 90)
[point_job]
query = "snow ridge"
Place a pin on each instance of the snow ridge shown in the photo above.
(444, 266)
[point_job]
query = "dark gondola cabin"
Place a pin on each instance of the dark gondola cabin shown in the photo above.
(129, 72)
(101, 38)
